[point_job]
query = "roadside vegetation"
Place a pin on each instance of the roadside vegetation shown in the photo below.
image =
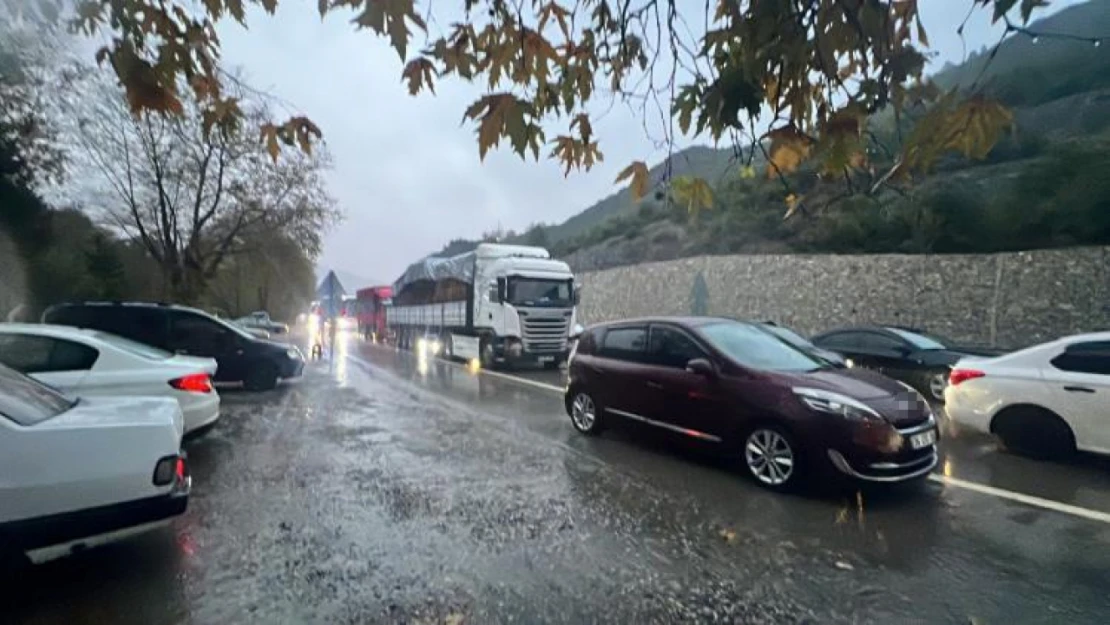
(1042, 186)
(98, 204)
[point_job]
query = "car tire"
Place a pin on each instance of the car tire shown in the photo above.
(1035, 432)
(933, 385)
(262, 378)
(586, 414)
(772, 457)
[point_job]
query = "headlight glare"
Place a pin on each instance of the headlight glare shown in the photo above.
(837, 404)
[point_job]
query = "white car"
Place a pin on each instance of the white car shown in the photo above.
(88, 363)
(1047, 400)
(81, 472)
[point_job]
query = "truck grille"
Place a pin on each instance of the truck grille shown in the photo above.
(545, 334)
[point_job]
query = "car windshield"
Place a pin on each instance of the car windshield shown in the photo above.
(133, 347)
(234, 326)
(27, 401)
(757, 349)
(919, 340)
(787, 335)
(539, 292)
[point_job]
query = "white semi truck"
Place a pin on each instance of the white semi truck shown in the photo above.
(500, 304)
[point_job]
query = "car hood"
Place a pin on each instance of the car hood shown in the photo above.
(119, 412)
(856, 383)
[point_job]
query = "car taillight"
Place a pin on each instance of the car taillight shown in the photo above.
(963, 375)
(195, 383)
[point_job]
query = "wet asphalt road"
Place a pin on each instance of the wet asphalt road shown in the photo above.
(382, 488)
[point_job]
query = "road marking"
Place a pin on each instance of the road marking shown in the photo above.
(536, 383)
(1001, 493)
(1039, 502)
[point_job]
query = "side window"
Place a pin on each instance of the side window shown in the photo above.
(624, 343)
(70, 356)
(875, 342)
(147, 325)
(1091, 357)
(672, 348)
(841, 340)
(198, 336)
(40, 354)
(25, 354)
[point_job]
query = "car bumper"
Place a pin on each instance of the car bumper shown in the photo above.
(865, 463)
(292, 370)
(93, 524)
(967, 410)
(201, 412)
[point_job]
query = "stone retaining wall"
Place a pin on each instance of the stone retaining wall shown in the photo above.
(1005, 300)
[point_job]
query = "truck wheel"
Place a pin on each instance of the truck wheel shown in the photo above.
(485, 351)
(448, 346)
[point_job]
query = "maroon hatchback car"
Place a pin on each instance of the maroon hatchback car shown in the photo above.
(787, 414)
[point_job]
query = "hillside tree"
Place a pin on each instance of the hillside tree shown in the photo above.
(187, 191)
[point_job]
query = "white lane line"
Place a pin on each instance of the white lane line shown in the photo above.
(1001, 493)
(1030, 500)
(537, 384)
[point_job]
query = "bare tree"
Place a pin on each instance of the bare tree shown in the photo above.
(189, 190)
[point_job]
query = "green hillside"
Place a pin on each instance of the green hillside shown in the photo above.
(1044, 186)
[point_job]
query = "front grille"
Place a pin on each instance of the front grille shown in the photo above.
(545, 333)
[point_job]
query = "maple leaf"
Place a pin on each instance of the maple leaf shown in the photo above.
(638, 178)
(269, 134)
(788, 149)
(235, 8)
(420, 73)
(500, 115)
(692, 191)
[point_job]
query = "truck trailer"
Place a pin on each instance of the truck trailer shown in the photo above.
(370, 311)
(500, 304)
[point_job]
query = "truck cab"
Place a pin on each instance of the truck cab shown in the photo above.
(500, 304)
(529, 304)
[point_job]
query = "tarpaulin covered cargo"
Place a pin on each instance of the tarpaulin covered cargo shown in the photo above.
(461, 267)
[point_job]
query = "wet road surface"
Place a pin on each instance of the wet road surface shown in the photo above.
(386, 488)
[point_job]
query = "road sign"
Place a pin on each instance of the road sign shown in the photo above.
(330, 293)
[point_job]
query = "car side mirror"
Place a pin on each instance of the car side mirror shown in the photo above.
(577, 294)
(701, 366)
(501, 289)
(903, 351)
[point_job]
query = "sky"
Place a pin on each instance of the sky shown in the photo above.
(407, 173)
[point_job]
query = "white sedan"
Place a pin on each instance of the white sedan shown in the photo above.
(83, 472)
(84, 363)
(1048, 400)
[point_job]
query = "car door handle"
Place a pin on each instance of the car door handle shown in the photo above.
(654, 385)
(1078, 389)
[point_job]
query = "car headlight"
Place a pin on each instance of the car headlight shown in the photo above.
(294, 353)
(848, 362)
(837, 404)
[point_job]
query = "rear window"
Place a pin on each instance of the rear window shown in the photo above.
(624, 343)
(133, 347)
(26, 401)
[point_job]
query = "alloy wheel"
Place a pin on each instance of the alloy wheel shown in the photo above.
(769, 457)
(937, 384)
(583, 413)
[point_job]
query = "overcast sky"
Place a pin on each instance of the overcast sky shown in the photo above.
(407, 174)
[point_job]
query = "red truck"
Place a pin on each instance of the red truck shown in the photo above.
(370, 304)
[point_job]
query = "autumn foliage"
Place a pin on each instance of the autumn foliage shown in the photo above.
(793, 79)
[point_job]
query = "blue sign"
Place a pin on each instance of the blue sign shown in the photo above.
(331, 294)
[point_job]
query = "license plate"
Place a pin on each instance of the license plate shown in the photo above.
(924, 439)
(547, 359)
